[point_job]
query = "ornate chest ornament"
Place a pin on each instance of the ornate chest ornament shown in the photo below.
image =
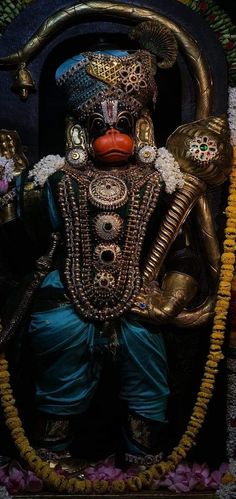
(102, 263)
(107, 256)
(108, 226)
(108, 192)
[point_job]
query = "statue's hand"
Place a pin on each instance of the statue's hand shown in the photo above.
(148, 305)
(160, 306)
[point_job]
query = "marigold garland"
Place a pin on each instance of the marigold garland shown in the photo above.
(144, 479)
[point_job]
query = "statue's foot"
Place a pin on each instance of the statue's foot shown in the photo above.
(143, 461)
(63, 463)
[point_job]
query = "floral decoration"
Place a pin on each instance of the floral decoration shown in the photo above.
(223, 27)
(46, 167)
(4, 493)
(232, 114)
(169, 170)
(9, 9)
(6, 169)
(147, 154)
(185, 478)
(227, 489)
(16, 479)
(6, 174)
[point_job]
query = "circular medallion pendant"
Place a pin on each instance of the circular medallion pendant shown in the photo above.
(108, 192)
(108, 226)
(104, 283)
(107, 256)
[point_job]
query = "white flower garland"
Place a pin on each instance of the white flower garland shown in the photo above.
(226, 491)
(169, 169)
(4, 494)
(7, 167)
(46, 167)
(232, 114)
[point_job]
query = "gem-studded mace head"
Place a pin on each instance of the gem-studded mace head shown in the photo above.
(202, 148)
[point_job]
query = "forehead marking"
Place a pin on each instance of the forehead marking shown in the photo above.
(109, 110)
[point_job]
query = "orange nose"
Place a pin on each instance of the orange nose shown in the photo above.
(113, 146)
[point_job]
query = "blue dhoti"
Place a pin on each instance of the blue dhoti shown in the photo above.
(65, 379)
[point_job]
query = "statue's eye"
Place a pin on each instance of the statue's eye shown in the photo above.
(98, 123)
(124, 124)
(97, 127)
(122, 121)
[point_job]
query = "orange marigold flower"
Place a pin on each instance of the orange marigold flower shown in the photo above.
(228, 478)
(118, 486)
(228, 258)
(146, 477)
(100, 486)
(13, 422)
(175, 458)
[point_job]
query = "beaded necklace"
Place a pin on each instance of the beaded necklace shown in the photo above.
(103, 280)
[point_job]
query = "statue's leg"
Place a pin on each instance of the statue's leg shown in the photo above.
(65, 375)
(144, 387)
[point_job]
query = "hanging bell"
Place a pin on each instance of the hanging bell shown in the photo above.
(23, 83)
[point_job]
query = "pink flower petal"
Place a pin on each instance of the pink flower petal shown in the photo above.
(3, 474)
(155, 484)
(179, 487)
(216, 476)
(196, 468)
(192, 483)
(33, 483)
(13, 485)
(223, 468)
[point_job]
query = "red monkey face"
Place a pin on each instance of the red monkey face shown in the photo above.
(112, 142)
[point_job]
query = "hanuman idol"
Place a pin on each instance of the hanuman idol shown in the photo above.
(123, 265)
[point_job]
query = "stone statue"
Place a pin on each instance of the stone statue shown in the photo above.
(121, 262)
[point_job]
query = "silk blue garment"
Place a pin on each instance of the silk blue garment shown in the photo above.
(65, 377)
(62, 344)
(143, 371)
